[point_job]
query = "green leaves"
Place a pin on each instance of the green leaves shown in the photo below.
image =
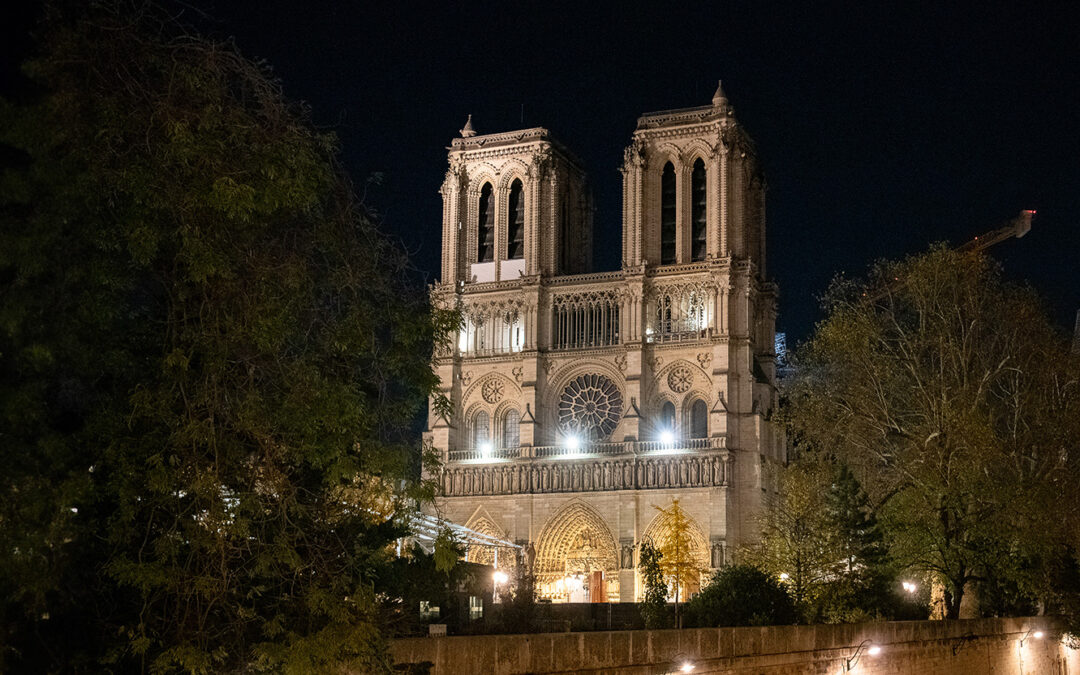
(193, 303)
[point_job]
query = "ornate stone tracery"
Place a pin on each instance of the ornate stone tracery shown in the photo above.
(591, 406)
(575, 541)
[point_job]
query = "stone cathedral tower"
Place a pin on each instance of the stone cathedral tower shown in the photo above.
(580, 400)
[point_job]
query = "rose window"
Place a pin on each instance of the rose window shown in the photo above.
(492, 391)
(590, 405)
(680, 379)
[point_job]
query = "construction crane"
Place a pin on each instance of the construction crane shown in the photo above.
(1017, 227)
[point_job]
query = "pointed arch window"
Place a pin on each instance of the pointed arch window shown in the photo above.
(697, 211)
(515, 222)
(667, 215)
(481, 430)
(699, 420)
(512, 429)
(667, 417)
(485, 230)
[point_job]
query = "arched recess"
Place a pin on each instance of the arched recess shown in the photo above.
(660, 533)
(697, 418)
(668, 224)
(485, 555)
(575, 541)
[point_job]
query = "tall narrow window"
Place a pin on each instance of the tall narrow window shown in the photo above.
(667, 417)
(515, 223)
(697, 211)
(480, 430)
(667, 215)
(511, 429)
(485, 231)
(565, 245)
(699, 420)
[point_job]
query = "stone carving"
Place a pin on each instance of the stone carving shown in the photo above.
(632, 473)
(680, 379)
(657, 362)
(704, 359)
(717, 553)
(492, 391)
(549, 366)
(518, 373)
(466, 378)
(626, 559)
(620, 362)
(590, 405)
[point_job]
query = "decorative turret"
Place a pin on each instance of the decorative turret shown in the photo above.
(719, 99)
(468, 131)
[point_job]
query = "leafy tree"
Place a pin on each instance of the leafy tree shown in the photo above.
(956, 403)
(677, 561)
(652, 577)
(798, 543)
(209, 361)
(741, 595)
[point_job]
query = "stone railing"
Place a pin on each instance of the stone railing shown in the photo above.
(587, 450)
(590, 473)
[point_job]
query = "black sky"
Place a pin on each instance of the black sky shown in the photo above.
(881, 126)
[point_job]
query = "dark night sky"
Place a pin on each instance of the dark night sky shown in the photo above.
(881, 127)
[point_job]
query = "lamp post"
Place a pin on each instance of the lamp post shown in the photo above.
(497, 578)
(865, 647)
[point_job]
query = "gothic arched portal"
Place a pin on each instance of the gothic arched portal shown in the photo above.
(576, 547)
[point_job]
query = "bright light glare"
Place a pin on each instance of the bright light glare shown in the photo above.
(784, 576)
(485, 449)
(874, 650)
(573, 443)
(687, 667)
(910, 587)
(1037, 634)
(499, 577)
(666, 437)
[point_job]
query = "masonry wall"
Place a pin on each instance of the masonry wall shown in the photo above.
(978, 646)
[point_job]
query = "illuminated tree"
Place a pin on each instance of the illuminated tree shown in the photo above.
(956, 404)
(677, 551)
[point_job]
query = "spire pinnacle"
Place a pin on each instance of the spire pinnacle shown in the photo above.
(468, 131)
(719, 99)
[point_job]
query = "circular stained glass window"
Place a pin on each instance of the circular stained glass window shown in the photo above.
(590, 406)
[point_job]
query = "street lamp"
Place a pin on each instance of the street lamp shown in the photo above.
(867, 647)
(667, 438)
(497, 578)
(485, 449)
(572, 443)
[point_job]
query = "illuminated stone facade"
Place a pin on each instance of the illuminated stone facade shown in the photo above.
(582, 400)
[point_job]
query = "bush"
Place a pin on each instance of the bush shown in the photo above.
(741, 595)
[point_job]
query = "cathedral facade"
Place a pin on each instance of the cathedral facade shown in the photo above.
(579, 401)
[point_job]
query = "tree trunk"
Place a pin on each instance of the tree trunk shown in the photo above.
(952, 601)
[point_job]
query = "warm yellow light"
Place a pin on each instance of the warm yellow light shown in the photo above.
(500, 577)
(874, 650)
(687, 667)
(784, 576)
(1037, 634)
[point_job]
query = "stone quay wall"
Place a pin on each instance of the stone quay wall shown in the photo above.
(964, 647)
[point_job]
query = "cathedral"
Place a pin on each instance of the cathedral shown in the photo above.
(581, 401)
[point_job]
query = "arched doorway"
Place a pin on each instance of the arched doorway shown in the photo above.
(576, 557)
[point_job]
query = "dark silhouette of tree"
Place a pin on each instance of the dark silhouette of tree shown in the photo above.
(741, 595)
(209, 362)
(654, 600)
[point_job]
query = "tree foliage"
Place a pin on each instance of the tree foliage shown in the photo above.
(956, 404)
(209, 360)
(677, 561)
(741, 595)
(654, 598)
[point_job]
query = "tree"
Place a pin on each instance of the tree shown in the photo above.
(652, 579)
(798, 543)
(209, 362)
(677, 560)
(741, 595)
(956, 404)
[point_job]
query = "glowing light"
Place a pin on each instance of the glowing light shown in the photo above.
(500, 577)
(573, 443)
(1037, 635)
(784, 576)
(485, 449)
(910, 587)
(873, 650)
(666, 437)
(687, 667)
